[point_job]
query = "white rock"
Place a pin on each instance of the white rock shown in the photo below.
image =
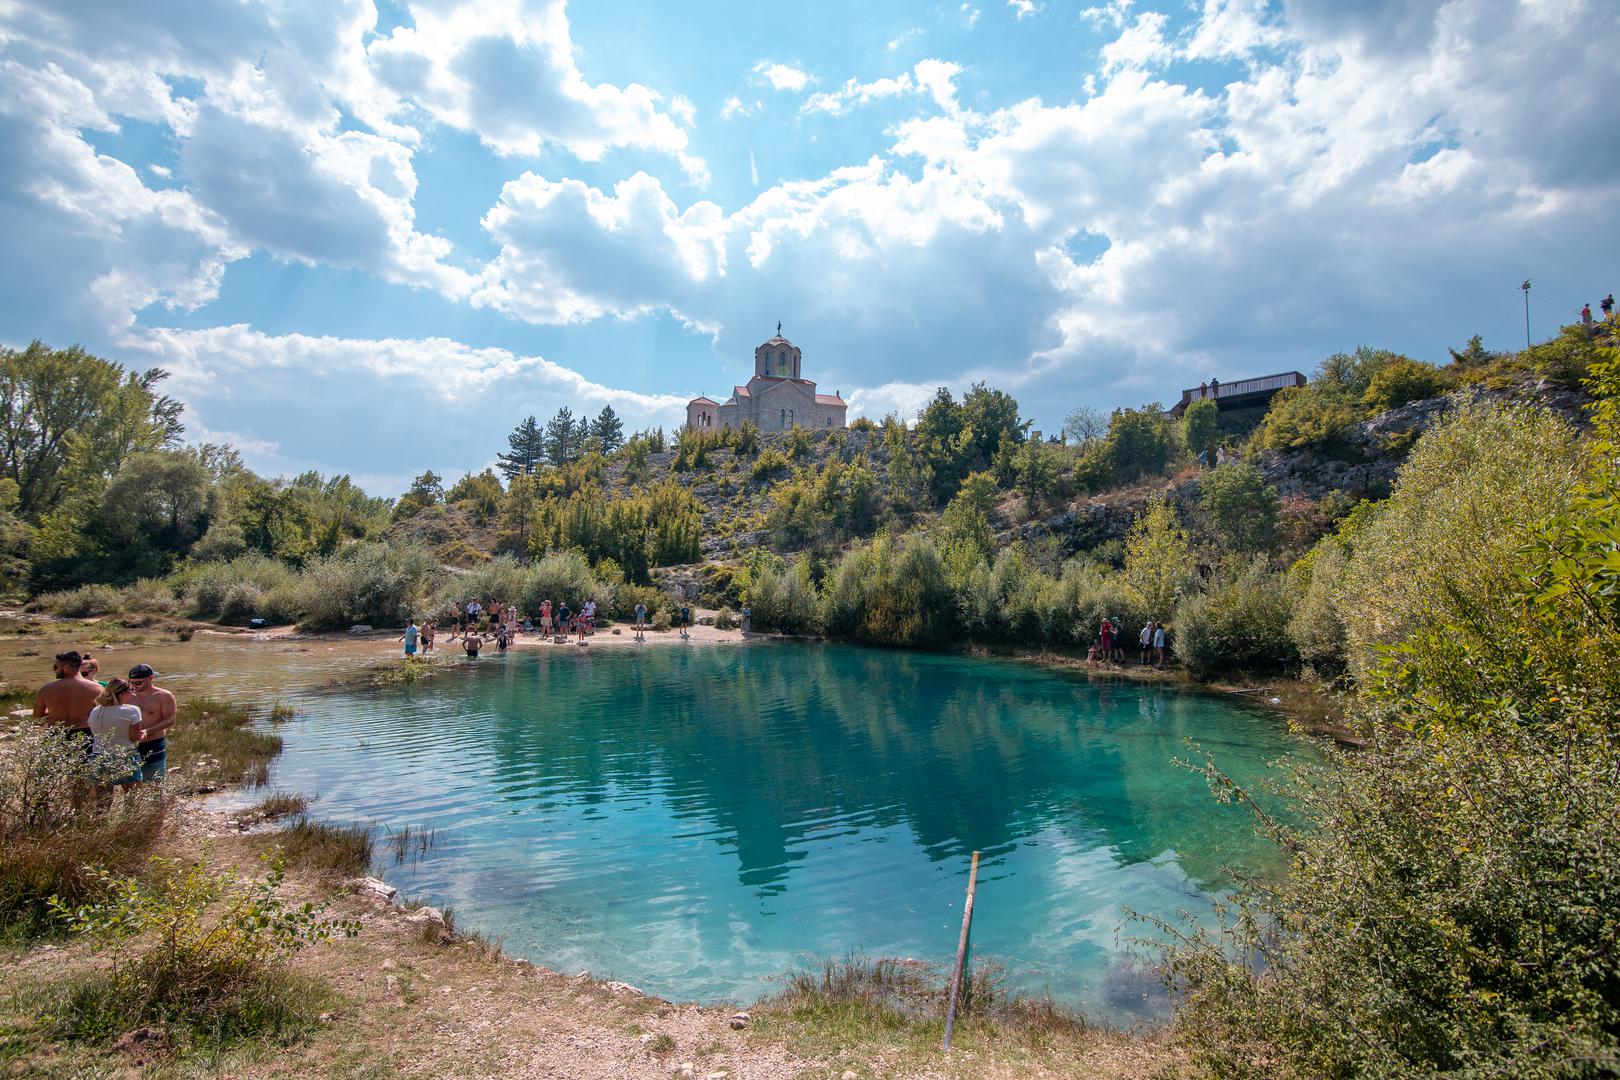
(739, 1021)
(360, 628)
(376, 887)
(622, 988)
(426, 914)
(851, 1074)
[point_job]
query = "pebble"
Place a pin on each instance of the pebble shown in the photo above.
(375, 887)
(851, 1074)
(685, 1068)
(718, 1074)
(739, 1021)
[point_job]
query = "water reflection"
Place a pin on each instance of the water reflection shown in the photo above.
(696, 820)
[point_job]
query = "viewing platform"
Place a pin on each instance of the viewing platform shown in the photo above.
(1239, 394)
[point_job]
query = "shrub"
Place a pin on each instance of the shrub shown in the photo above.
(1302, 418)
(890, 593)
(365, 584)
(191, 949)
(1445, 543)
(1401, 381)
(725, 619)
(783, 600)
(84, 601)
(151, 595)
(1238, 623)
(50, 844)
(241, 602)
(1240, 507)
(1158, 560)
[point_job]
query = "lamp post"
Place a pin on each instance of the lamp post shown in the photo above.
(1526, 289)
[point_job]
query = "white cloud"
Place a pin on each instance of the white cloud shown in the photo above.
(782, 76)
(932, 77)
(1023, 8)
(971, 14)
(734, 107)
(1142, 45)
(903, 37)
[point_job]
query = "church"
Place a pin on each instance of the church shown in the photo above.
(777, 398)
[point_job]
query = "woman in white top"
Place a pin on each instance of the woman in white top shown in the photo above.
(115, 729)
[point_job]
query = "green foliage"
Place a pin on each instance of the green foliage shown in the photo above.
(769, 461)
(1201, 427)
(824, 504)
(890, 593)
(1303, 418)
(49, 844)
(1241, 508)
(1158, 560)
(1139, 442)
(967, 520)
(608, 430)
(526, 449)
(483, 491)
(188, 948)
(68, 418)
(1041, 474)
(369, 583)
(1445, 547)
(783, 599)
(637, 461)
(1474, 354)
(1567, 360)
(1402, 380)
(1240, 622)
(564, 438)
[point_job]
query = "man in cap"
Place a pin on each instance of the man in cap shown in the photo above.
(157, 707)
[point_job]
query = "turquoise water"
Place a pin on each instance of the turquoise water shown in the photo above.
(698, 821)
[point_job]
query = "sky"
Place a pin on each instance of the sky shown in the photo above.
(370, 236)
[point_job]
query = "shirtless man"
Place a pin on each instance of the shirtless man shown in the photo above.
(157, 707)
(66, 701)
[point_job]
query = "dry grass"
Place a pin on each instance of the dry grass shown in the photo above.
(280, 805)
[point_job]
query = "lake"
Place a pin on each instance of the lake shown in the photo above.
(699, 820)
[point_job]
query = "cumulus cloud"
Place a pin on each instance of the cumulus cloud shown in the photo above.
(782, 76)
(1023, 9)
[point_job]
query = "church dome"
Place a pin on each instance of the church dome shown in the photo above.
(777, 358)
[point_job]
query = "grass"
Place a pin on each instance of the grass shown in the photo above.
(281, 712)
(213, 743)
(410, 843)
(895, 1007)
(280, 805)
(328, 850)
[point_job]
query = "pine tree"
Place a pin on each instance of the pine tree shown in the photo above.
(562, 439)
(609, 429)
(528, 450)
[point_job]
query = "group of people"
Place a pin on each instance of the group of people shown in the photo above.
(1109, 644)
(478, 624)
(123, 724)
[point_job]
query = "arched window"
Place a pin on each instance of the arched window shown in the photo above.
(791, 421)
(829, 421)
(784, 418)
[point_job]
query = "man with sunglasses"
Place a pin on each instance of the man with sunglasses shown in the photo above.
(157, 707)
(66, 701)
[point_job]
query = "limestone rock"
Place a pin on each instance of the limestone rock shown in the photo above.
(375, 887)
(739, 1021)
(622, 988)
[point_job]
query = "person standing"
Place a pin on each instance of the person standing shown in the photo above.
(1586, 314)
(410, 636)
(1105, 640)
(113, 730)
(1146, 638)
(564, 621)
(747, 619)
(545, 618)
(1607, 306)
(686, 620)
(429, 629)
(158, 708)
(641, 621)
(66, 701)
(1119, 639)
(471, 643)
(1158, 644)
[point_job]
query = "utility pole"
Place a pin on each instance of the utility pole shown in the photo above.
(1526, 289)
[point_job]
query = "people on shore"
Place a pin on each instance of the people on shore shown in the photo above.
(430, 629)
(158, 709)
(545, 618)
(1118, 652)
(747, 620)
(65, 702)
(471, 643)
(1146, 638)
(1105, 640)
(685, 621)
(410, 636)
(501, 639)
(1158, 645)
(114, 733)
(565, 623)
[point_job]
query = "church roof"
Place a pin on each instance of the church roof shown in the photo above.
(779, 340)
(829, 399)
(703, 401)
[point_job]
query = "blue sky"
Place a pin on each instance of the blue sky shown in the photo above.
(370, 237)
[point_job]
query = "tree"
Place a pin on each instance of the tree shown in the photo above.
(1473, 355)
(1139, 441)
(157, 499)
(482, 490)
(989, 416)
(1085, 424)
(967, 519)
(526, 450)
(52, 400)
(562, 438)
(608, 428)
(1241, 507)
(938, 439)
(1201, 427)
(1158, 559)
(425, 491)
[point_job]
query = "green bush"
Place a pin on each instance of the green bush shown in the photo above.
(368, 583)
(1401, 381)
(1238, 623)
(1444, 545)
(84, 601)
(890, 593)
(783, 600)
(190, 949)
(1304, 418)
(1240, 508)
